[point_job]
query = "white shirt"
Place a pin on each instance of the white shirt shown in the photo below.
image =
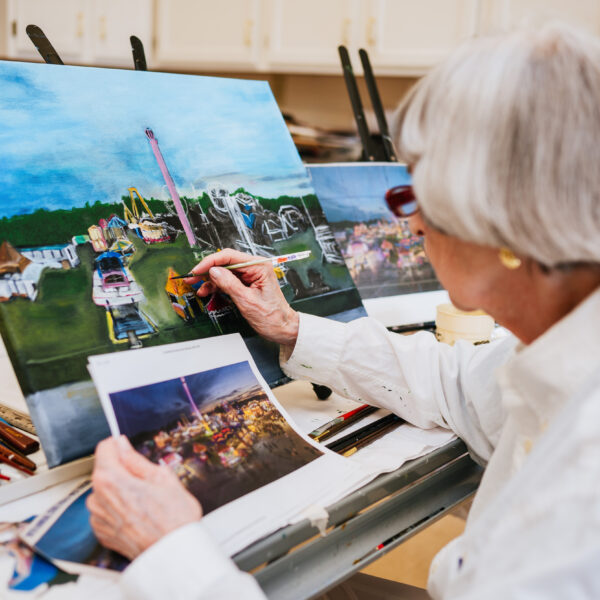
(532, 411)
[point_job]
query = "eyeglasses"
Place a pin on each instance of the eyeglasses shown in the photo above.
(401, 201)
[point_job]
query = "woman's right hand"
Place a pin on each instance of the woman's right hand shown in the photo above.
(254, 290)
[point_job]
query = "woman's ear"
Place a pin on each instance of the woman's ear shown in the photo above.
(416, 224)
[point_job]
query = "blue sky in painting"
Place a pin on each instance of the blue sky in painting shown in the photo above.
(70, 135)
(356, 192)
(151, 407)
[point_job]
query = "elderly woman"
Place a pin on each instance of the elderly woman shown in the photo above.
(504, 142)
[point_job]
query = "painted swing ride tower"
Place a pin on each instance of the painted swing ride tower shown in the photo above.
(187, 228)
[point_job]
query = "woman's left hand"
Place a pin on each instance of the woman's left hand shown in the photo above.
(134, 502)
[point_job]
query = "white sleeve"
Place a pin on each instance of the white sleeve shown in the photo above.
(187, 565)
(425, 382)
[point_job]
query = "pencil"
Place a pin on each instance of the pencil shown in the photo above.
(276, 260)
(339, 423)
(353, 439)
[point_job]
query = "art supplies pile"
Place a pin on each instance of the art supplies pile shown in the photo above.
(203, 409)
(20, 453)
(321, 144)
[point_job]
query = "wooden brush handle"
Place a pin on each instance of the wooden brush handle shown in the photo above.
(18, 439)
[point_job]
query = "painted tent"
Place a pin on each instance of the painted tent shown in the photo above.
(113, 179)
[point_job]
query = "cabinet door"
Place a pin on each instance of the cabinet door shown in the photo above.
(498, 15)
(208, 34)
(407, 37)
(65, 23)
(305, 35)
(112, 23)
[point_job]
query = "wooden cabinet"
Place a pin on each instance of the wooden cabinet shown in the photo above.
(209, 35)
(304, 36)
(81, 31)
(407, 37)
(403, 37)
(112, 23)
(500, 15)
(63, 21)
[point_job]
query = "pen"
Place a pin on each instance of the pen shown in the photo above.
(335, 425)
(350, 441)
(276, 260)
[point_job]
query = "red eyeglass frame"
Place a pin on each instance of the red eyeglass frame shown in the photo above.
(398, 198)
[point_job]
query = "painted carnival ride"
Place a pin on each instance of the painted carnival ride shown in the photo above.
(114, 288)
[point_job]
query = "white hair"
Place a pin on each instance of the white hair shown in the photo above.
(504, 137)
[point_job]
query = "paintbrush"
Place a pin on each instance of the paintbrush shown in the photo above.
(276, 260)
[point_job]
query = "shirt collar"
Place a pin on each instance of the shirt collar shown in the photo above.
(550, 370)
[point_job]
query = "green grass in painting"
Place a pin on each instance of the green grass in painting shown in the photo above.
(150, 266)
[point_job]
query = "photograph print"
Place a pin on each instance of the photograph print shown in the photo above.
(217, 430)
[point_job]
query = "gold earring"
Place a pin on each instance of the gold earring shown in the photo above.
(508, 258)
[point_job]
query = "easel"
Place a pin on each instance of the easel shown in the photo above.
(376, 147)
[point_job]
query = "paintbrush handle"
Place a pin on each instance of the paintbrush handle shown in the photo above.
(369, 439)
(275, 260)
(16, 456)
(350, 440)
(23, 443)
(16, 461)
(341, 425)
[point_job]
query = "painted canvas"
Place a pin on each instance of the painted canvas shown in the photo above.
(384, 258)
(114, 181)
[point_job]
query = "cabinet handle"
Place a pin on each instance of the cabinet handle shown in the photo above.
(346, 31)
(102, 28)
(79, 24)
(371, 28)
(248, 26)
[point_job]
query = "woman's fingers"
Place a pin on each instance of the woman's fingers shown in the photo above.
(221, 259)
(227, 282)
(255, 291)
(134, 462)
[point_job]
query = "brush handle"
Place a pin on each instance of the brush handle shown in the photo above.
(23, 443)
